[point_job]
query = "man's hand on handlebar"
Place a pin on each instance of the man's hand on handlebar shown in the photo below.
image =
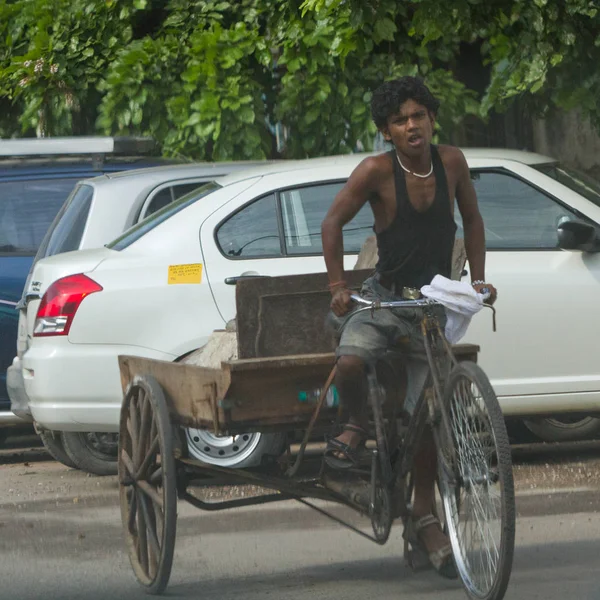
(341, 301)
(487, 289)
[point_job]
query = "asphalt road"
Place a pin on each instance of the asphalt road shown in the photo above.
(60, 537)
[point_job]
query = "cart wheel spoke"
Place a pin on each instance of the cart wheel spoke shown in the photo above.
(150, 518)
(156, 476)
(145, 409)
(128, 463)
(143, 542)
(132, 426)
(148, 459)
(151, 493)
(132, 512)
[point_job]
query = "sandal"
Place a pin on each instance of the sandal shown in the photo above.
(351, 457)
(418, 556)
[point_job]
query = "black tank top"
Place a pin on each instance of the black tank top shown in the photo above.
(416, 246)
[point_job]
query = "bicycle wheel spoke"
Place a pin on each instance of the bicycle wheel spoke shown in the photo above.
(475, 496)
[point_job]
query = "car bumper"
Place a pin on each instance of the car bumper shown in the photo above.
(9, 419)
(77, 387)
(19, 401)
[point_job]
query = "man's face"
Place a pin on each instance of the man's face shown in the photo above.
(410, 129)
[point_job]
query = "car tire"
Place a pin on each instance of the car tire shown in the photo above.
(564, 428)
(239, 452)
(94, 453)
(53, 444)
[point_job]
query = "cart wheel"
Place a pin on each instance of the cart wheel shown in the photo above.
(147, 483)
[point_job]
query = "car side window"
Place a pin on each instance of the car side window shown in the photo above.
(252, 232)
(169, 194)
(303, 210)
(515, 214)
(27, 209)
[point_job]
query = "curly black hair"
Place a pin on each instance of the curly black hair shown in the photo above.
(390, 96)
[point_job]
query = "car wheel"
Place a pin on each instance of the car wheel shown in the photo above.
(238, 451)
(94, 453)
(53, 444)
(564, 428)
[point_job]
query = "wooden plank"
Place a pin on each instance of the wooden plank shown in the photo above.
(192, 392)
(368, 255)
(459, 259)
(282, 316)
(327, 358)
(280, 362)
(270, 395)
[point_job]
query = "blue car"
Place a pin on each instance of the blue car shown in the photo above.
(36, 176)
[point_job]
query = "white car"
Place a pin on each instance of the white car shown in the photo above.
(98, 210)
(161, 288)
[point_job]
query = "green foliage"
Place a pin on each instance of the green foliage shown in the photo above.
(198, 87)
(210, 78)
(54, 54)
(547, 50)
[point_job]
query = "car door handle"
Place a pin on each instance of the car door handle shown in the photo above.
(234, 280)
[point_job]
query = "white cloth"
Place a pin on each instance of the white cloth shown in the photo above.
(460, 300)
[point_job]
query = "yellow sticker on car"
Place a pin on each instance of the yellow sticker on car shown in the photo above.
(185, 273)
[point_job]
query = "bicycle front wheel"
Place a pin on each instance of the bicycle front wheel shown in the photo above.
(476, 482)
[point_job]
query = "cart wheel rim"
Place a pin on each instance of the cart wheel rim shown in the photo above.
(147, 483)
(225, 451)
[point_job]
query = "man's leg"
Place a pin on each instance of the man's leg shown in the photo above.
(425, 472)
(362, 340)
(351, 383)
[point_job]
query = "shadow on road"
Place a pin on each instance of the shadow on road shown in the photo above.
(22, 446)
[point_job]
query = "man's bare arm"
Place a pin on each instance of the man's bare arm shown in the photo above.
(472, 220)
(350, 199)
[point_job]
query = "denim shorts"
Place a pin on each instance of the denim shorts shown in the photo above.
(369, 335)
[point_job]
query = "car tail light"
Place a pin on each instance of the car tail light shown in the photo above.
(60, 303)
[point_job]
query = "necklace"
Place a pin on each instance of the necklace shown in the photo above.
(415, 174)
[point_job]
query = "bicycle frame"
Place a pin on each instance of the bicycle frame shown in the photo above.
(428, 403)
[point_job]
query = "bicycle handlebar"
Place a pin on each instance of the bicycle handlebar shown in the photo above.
(391, 303)
(401, 303)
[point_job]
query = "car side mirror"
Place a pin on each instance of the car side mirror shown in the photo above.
(577, 235)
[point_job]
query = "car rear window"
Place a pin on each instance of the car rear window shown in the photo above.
(66, 231)
(154, 220)
(26, 211)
